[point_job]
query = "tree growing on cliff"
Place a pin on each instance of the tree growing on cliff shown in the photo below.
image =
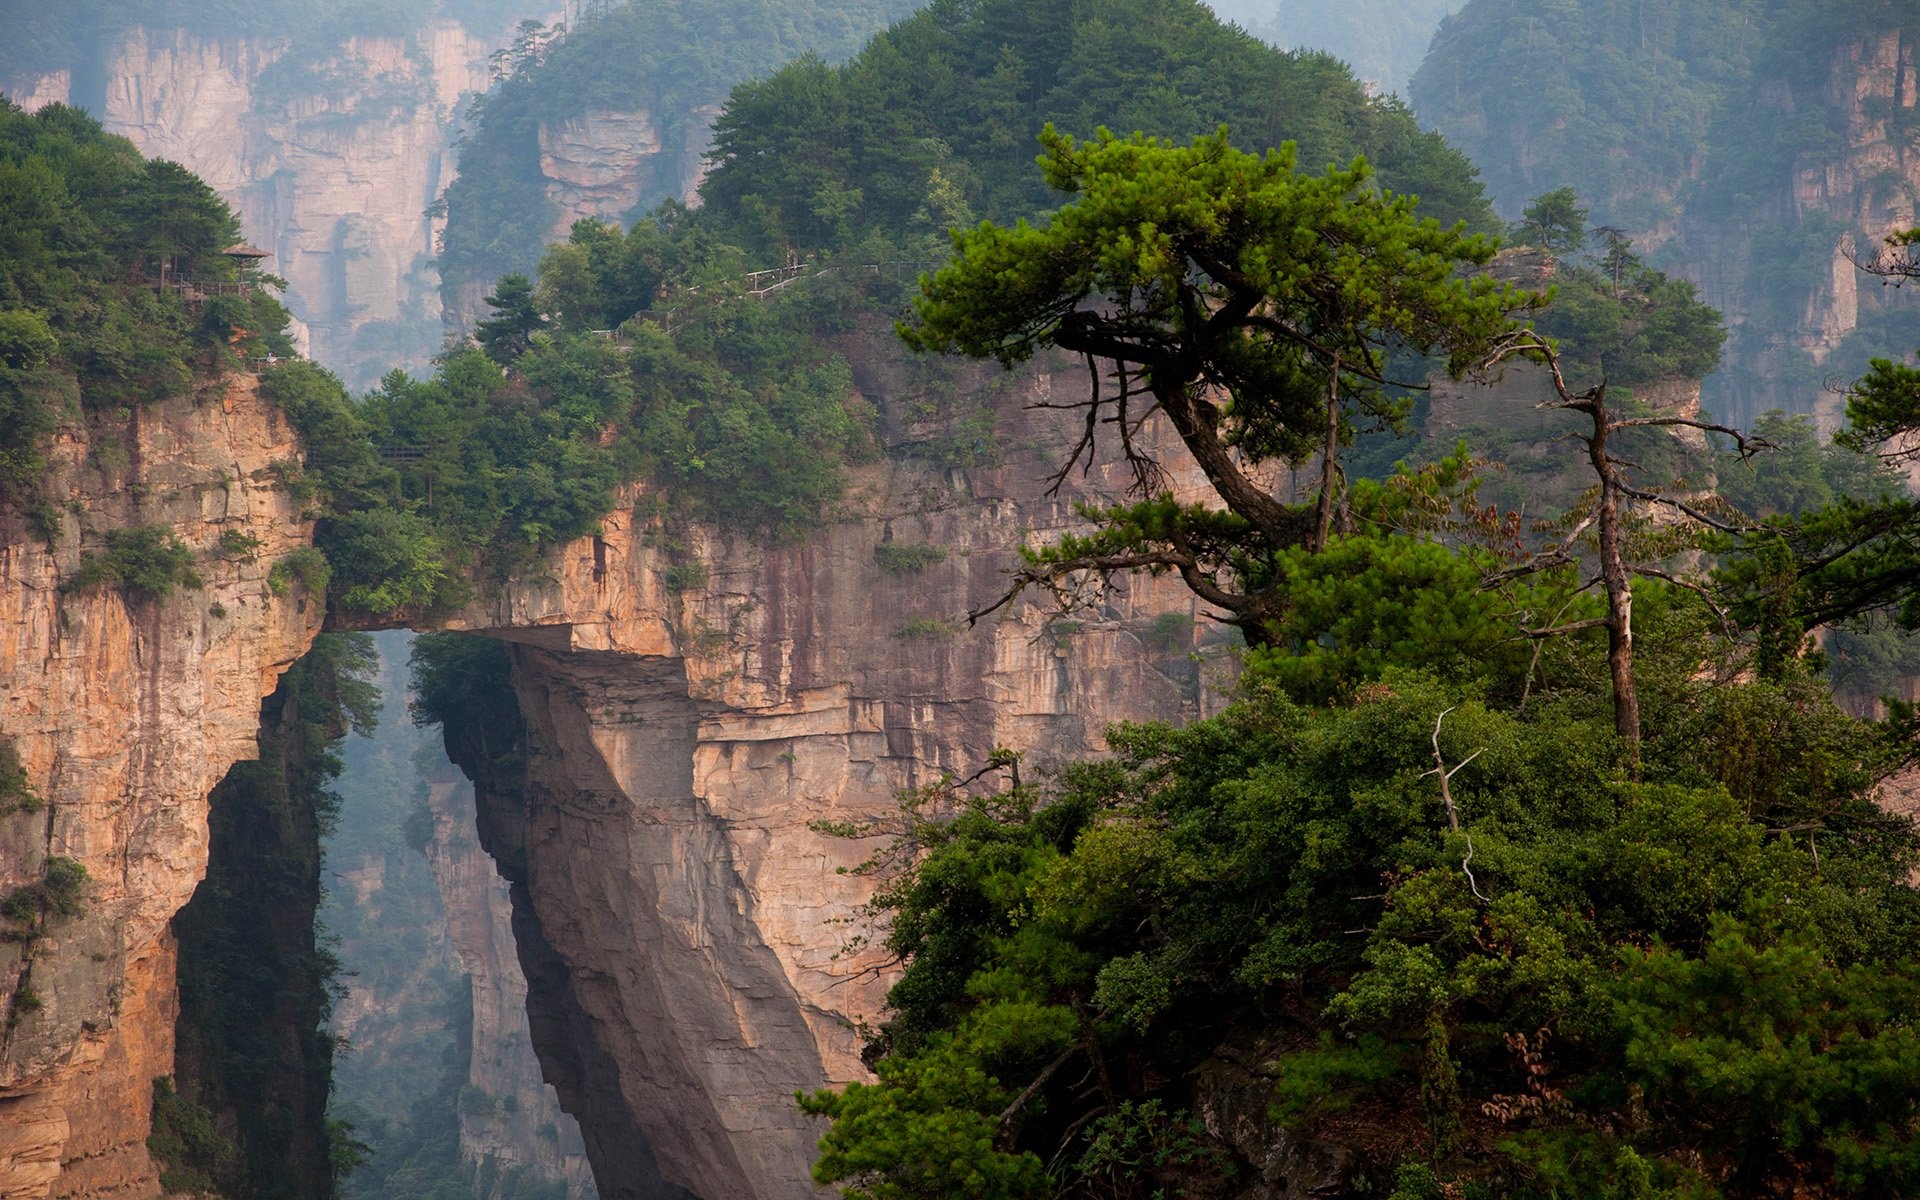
(1264, 311)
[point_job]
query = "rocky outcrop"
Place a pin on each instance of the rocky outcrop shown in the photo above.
(516, 1120)
(126, 714)
(696, 936)
(602, 164)
(694, 707)
(332, 163)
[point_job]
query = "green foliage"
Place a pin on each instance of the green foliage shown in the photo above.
(737, 409)
(1614, 317)
(90, 230)
(58, 892)
(906, 558)
(304, 565)
(1678, 122)
(686, 577)
(1607, 96)
(256, 981)
(925, 628)
(1799, 472)
(1200, 267)
(930, 126)
(452, 673)
(1593, 988)
(672, 60)
(236, 544)
(144, 563)
(507, 334)
(195, 1158)
(1372, 602)
(16, 794)
(1555, 222)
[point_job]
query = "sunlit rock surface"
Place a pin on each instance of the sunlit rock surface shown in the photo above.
(125, 716)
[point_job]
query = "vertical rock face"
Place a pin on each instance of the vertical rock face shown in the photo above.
(692, 933)
(125, 716)
(602, 163)
(520, 1123)
(1845, 196)
(331, 163)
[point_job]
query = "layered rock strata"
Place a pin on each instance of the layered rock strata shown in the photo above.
(126, 713)
(602, 164)
(694, 936)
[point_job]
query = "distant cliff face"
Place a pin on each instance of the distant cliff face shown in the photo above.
(1756, 154)
(519, 1124)
(602, 164)
(126, 715)
(1840, 199)
(332, 164)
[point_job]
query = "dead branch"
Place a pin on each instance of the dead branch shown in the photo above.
(1570, 627)
(1747, 444)
(1656, 498)
(1019, 1102)
(1441, 771)
(1719, 613)
(1445, 774)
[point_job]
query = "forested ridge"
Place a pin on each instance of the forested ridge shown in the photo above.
(1490, 884)
(89, 328)
(743, 411)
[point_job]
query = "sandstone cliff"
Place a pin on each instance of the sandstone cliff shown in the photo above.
(693, 937)
(519, 1124)
(693, 705)
(126, 715)
(1840, 198)
(332, 164)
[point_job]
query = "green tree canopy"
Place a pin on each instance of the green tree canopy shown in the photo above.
(1256, 306)
(1554, 222)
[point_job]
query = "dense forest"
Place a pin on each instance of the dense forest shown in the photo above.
(743, 411)
(1462, 896)
(930, 125)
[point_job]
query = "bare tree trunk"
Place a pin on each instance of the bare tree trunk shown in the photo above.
(1619, 587)
(1329, 462)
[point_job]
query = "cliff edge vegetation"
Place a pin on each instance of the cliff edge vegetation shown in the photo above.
(115, 290)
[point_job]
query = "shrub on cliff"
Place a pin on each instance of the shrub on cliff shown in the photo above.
(57, 893)
(15, 793)
(143, 563)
